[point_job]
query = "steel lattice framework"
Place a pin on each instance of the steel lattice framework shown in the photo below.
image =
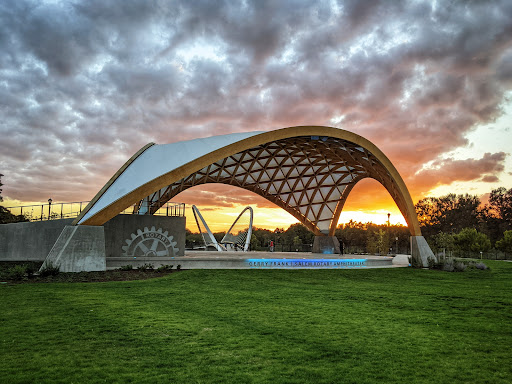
(309, 176)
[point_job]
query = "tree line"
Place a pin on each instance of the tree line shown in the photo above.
(459, 225)
(462, 225)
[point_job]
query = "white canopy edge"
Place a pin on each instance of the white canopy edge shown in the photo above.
(158, 160)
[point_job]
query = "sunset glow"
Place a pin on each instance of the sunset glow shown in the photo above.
(86, 84)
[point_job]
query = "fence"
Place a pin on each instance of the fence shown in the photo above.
(492, 254)
(51, 211)
(54, 211)
(168, 209)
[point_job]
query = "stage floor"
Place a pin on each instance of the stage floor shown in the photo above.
(263, 260)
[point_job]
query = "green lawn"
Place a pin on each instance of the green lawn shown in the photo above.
(245, 326)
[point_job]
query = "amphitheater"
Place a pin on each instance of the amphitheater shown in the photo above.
(309, 171)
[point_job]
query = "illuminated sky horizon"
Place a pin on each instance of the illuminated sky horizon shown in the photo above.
(85, 84)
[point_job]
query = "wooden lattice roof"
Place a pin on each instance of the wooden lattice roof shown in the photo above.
(308, 171)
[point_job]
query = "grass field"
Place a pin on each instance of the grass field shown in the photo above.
(246, 326)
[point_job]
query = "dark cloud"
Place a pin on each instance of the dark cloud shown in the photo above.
(490, 179)
(85, 84)
(447, 171)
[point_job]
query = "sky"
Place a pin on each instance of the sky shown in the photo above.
(85, 84)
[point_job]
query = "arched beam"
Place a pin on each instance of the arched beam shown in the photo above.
(395, 185)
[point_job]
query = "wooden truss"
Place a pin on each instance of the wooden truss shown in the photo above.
(308, 176)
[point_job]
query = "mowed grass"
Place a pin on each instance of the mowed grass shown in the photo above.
(249, 326)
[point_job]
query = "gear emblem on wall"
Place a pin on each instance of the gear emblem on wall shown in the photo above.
(150, 243)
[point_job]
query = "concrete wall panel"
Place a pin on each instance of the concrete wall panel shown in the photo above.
(133, 235)
(33, 241)
(30, 241)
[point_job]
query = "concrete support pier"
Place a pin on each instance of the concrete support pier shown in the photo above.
(326, 244)
(420, 252)
(79, 249)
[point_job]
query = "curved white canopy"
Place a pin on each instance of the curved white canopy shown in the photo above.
(157, 160)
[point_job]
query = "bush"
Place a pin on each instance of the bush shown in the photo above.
(128, 267)
(178, 267)
(30, 270)
(145, 267)
(448, 265)
(48, 269)
(481, 266)
(164, 268)
(459, 266)
(17, 272)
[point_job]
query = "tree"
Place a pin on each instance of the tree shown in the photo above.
(193, 239)
(505, 244)
(353, 235)
(377, 241)
(7, 217)
(219, 236)
(442, 242)
(264, 236)
(297, 242)
(297, 230)
(498, 218)
(254, 242)
(500, 201)
(450, 213)
(469, 240)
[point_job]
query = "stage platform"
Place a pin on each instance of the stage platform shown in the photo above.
(263, 260)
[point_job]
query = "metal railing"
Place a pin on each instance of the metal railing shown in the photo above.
(51, 211)
(168, 209)
(56, 211)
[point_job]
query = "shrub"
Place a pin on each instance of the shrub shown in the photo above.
(164, 268)
(505, 244)
(128, 267)
(48, 269)
(448, 265)
(459, 266)
(30, 270)
(17, 272)
(481, 266)
(178, 267)
(145, 267)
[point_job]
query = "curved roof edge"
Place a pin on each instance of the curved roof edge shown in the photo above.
(163, 159)
(152, 167)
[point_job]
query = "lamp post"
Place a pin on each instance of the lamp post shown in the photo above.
(389, 233)
(396, 250)
(49, 207)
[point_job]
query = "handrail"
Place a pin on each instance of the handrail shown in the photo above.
(55, 211)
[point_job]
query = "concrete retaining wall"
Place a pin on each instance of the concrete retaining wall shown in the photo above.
(79, 248)
(125, 235)
(132, 235)
(29, 241)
